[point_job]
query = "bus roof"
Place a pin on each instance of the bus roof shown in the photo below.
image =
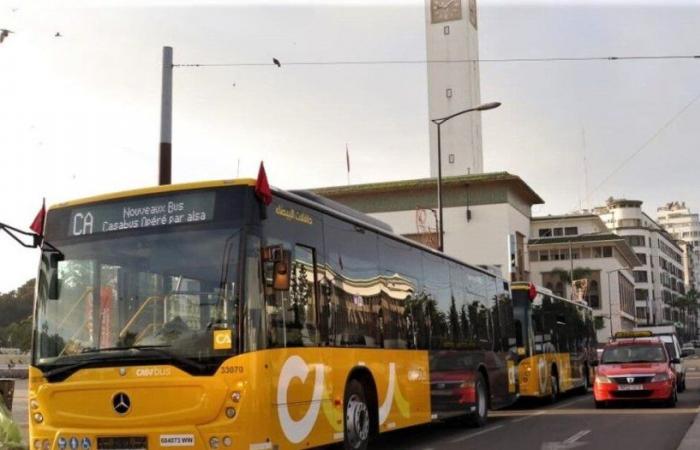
(293, 196)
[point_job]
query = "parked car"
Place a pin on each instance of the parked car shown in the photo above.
(635, 369)
(687, 350)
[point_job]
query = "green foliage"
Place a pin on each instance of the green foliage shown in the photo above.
(16, 317)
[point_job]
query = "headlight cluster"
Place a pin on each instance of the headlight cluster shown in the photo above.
(214, 442)
(662, 376)
(42, 444)
(602, 379)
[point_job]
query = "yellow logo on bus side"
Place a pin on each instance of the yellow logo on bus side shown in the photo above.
(222, 340)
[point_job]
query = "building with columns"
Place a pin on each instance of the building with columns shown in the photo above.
(579, 246)
(453, 84)
(660, 280)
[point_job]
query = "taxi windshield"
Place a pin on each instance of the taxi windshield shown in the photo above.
(634, 353)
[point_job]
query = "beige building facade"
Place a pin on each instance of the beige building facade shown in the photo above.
(580, 248)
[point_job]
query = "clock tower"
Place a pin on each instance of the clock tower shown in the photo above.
(453, 84)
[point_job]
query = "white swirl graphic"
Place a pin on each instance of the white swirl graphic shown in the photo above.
(386, 406)
(295, 367)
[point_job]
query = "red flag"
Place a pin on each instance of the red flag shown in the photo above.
(262, 188)
(37, 225)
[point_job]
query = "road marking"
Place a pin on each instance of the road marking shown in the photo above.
(529, 416)
(568, 443)
(479, 433)
(576, 436)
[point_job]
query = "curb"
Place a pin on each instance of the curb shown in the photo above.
(691, 440)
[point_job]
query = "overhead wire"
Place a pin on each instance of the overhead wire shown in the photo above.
(446, 61)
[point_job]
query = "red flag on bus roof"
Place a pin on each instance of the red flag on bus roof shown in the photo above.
(37, 225)
(262, 188)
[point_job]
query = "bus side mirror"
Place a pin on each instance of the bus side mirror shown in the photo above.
(281, 276)
(52, 275)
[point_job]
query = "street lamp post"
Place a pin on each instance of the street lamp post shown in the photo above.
(610, 297)
(439, 122)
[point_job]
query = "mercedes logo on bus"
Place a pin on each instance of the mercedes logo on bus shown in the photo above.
(121, 403)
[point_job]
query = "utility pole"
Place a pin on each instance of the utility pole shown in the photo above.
(166, 119)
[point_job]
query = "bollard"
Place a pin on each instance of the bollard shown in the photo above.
(7, 391)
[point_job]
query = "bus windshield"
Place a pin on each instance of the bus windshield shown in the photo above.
(143, 295)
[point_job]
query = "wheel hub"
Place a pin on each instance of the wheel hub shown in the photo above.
(357, 421)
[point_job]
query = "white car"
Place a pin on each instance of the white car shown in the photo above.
(673, 347)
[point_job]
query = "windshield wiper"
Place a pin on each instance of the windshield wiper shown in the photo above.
(114, 349)
(157, 349)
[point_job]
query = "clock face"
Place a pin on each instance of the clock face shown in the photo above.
(445, 10)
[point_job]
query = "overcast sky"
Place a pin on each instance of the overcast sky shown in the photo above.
(79, 114)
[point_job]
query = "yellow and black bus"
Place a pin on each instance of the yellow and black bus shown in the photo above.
(196, 316)
(556, 342)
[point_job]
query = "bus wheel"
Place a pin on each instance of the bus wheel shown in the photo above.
(478, 417)
(357, 417)
(554, 395)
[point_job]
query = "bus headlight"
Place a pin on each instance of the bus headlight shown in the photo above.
(38, 417)
(214, 442)
(227, 441)
(230, 413)
(236, 396)
(45, 445)
(33, 404)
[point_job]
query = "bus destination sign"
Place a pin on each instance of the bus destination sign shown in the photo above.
(173, 209)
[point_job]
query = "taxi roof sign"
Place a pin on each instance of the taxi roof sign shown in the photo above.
(633, 334)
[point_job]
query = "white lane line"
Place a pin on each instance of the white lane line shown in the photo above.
(570, 402)
(469, 436)
(529, 416)
(576, 437)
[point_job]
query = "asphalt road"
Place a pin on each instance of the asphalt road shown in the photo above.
(573, 422)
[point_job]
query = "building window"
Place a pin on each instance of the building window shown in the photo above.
(534, 255)
(544, 256)
(593, 295)
(641, 313)
(559, 289)
(640, 276)
(607, 252)
(545, 232)
(642, 257)
(636, 241)
(571, 231)
(641, 294)
(558, 232)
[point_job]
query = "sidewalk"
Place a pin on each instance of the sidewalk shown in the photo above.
(19, 408)
(691, 440)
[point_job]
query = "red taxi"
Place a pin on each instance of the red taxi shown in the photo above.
(635, 369)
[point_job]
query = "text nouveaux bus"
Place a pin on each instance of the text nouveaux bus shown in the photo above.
(194, 316)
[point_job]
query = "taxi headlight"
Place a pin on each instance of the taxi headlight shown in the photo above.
(602, 379)
(663, 376)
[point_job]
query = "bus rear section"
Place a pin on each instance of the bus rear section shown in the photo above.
(556, 342)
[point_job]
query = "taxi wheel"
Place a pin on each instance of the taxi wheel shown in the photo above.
(681, 385)
(672, 400)
(479, 416)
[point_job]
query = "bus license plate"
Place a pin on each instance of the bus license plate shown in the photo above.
(630, 387)
(122, 443)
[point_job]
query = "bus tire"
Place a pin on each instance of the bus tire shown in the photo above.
(554, 391)
(357, 423)
(586, 381)
(480, 415)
